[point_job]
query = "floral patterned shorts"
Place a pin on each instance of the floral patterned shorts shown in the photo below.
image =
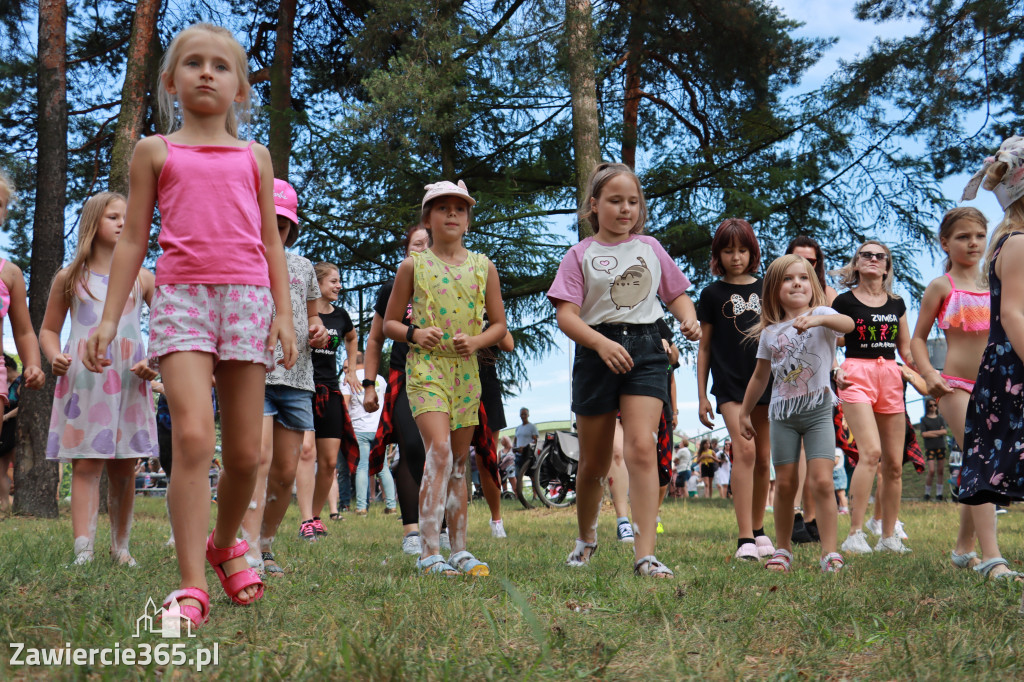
(441, 383)
(231, 321)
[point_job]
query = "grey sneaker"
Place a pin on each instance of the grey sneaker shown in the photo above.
(892, 544)
(411, 544)
(444, 542)
(874, 526)
(856, 543)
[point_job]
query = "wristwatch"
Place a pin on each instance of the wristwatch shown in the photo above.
(369, 382)
(409, 332)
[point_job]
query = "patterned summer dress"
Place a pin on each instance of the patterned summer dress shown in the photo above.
(993, 469)
(108, 415)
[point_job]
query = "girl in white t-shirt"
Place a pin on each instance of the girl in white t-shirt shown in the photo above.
(606, 295)
(797, 344)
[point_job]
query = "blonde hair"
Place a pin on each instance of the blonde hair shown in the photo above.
(239, 111)
(1013, 217)
(771, 309)
(849, 277)
(323, 269)
(598, 179)
(77, 272)
(950, 218)
(7, 187)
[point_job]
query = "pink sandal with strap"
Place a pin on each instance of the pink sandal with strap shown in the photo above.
(236, 582)
(197, 614)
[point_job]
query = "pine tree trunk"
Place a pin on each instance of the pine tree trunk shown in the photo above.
(35, 479)
(586, 142)
(631, 109)
(281, 90)
(134, 93)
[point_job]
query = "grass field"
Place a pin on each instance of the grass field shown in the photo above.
(350, 606)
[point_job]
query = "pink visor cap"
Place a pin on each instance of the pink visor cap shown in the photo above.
(447, 189)
(286, 201)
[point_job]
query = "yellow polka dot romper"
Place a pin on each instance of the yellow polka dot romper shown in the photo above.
(450, 297)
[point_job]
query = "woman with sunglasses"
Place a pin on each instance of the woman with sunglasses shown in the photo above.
(871, 389)
(805, 524)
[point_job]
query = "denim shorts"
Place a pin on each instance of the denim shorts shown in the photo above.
(596, 389)
(291, 407)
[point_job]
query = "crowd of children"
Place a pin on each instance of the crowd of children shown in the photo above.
(264, 328)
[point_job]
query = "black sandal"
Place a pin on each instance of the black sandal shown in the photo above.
(337, 517)
(274, 569)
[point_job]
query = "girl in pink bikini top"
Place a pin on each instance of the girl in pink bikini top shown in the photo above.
(966, 310)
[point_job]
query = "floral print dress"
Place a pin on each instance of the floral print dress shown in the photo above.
(993, 469)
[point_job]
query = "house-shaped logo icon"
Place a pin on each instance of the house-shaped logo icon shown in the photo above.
(166, 622)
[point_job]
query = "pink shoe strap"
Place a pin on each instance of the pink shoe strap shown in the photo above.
(202, 613)
(236, 582)
(218, 555)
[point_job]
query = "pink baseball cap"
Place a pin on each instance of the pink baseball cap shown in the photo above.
(286, 201)
(447, 189)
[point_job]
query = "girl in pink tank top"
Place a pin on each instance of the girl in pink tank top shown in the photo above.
(961, 311)
(14, 304)
(222, 264)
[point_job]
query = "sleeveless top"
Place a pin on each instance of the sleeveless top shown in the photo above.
(5, 294)
(450, 297)
(967, 310)
(210, 221)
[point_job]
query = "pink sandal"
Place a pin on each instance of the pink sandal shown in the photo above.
(198, 615)
(236, 582)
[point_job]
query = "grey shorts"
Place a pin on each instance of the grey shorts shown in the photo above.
(814, 427)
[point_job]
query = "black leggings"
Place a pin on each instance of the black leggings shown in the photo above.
(412, 457)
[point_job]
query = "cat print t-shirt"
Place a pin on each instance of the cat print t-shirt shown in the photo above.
(801, 365)
(731, 309)
(618, 283)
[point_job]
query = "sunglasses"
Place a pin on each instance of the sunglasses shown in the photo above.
(873, 255)
(812, 261)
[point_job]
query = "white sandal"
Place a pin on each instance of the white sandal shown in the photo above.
(579, 555)
(650, 567)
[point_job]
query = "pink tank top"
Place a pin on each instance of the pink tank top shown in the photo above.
(5, 294)
(968, 310)
(210, 224)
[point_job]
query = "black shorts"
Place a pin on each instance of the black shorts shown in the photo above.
(596, 389)
(332, 422)
(707, 470)
(490, 398)
(935, 454)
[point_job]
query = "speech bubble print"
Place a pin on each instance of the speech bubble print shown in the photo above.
(604, 263)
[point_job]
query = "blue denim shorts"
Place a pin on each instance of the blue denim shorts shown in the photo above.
(291, 407)
(596, 389)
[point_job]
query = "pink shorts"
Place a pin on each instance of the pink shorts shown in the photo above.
(230, 321)
(877, 382)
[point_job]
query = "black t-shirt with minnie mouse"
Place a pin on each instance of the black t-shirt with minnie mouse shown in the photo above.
(731, 309)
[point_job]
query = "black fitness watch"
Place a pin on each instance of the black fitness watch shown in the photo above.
(369, 382)
(408, 333)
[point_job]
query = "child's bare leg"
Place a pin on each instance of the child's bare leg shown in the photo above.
(253, 519)
(640, 415)
(595, 435)
(953, 409)
(491, 492)
(819, 482)
(85, 504)
(287, 446)
(618, 475)
(5, 482)
(305, 481)
(749, 468)
(787, 483)
(332, 496)
(240, 389)
(326, 470)
(458, 489)
(121, 506)
(435, 429)
(188, 495)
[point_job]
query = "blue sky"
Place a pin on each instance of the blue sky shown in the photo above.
(547, 394)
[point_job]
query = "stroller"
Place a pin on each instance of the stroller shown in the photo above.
(554, 472)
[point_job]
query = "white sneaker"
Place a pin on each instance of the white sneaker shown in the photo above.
(498, 529)
(899, 532)
(625, 532)
(411, 544)
(444, 542)
(892, 544)
(856, 543)
(874, 526)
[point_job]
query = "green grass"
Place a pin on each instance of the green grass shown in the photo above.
(351, 608)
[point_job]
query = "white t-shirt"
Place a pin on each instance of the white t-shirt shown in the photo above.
(363, 421)
(617, 283)
(801, 363)
(526, 434)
